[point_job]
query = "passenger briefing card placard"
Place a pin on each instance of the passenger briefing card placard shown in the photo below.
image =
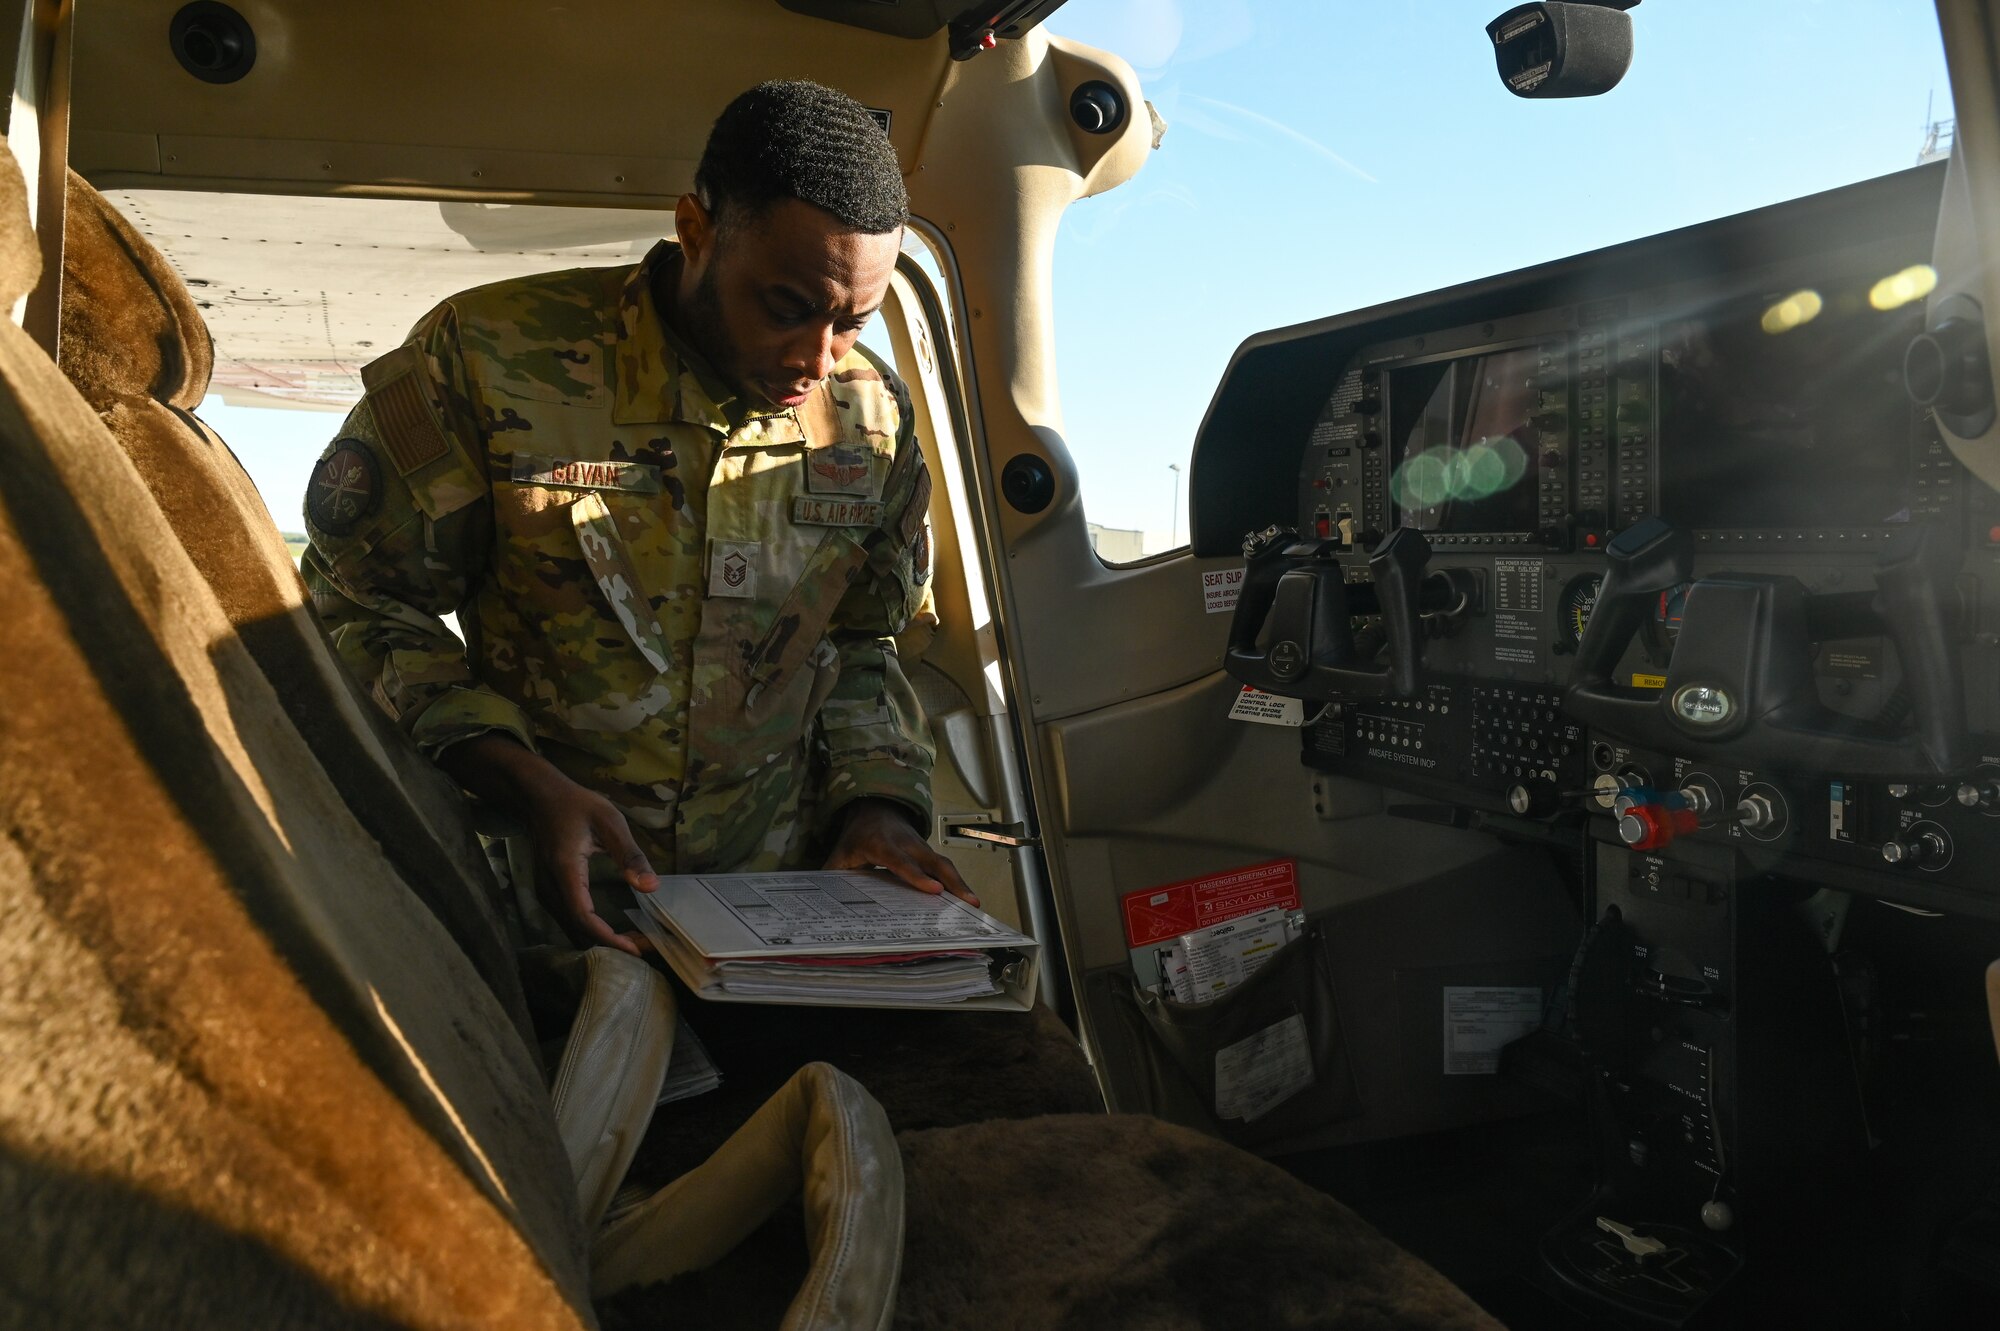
(1155, 914)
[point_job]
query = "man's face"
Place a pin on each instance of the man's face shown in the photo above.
(774, 300)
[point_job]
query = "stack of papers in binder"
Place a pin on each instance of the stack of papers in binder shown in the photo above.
(834, 938)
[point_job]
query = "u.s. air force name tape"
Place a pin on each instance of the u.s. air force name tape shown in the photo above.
(813, 512)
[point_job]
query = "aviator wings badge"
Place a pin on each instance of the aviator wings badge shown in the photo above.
(841, 469)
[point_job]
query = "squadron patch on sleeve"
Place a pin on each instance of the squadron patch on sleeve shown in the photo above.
(346, 488)
(920, 556)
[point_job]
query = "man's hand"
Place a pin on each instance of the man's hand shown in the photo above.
(567, 824)
(876, 834)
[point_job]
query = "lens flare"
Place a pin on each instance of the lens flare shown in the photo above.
(1424, 481)
(1480, 472)
(1913, 283)
(1801, 307)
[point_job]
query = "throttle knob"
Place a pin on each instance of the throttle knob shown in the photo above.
(1630, 797)
(1654, 826)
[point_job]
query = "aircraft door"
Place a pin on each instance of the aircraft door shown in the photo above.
(1144, 784)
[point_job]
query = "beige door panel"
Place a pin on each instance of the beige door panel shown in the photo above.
(1499, 920)
(1168, 788)
(1092, 634)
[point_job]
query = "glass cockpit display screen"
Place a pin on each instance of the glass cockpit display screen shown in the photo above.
(1787, 413)
(1462, 436)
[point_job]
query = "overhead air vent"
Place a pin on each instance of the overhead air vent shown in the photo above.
(1097, 108)
(212, 41)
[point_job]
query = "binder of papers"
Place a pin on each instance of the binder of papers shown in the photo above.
(837, 939)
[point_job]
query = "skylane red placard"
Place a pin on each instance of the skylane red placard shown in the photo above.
(1156, 913)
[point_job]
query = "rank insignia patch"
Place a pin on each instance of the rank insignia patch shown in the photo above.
(732, 568)
(346, 488)
(840, 469)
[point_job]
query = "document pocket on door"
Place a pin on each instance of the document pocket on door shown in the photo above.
(1260, 1064)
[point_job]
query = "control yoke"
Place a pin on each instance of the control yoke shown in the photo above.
(1740, 682)
(1294, 634)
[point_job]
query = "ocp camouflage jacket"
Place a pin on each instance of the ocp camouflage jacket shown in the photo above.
(683, 605)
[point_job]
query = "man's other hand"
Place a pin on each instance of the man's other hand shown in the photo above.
(567, 825)
(876, 834)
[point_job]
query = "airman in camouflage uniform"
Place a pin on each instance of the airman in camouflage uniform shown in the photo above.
(681, 594)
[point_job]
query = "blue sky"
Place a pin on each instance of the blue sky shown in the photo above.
(1324, 155)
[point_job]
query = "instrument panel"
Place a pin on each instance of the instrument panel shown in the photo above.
(1734, 392)
(1751, 424)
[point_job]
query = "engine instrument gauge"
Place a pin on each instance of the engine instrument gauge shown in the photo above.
(1579, 598)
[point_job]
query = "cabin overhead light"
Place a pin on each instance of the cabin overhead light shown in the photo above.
(1557, 49)
(212, 41)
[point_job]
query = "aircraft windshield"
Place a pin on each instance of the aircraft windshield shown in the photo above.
(1323, 157)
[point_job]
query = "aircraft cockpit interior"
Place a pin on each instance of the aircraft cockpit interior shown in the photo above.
(1443, 598)
(1666, 561)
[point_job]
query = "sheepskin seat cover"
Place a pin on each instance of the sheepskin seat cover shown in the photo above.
(133, 342)
(928, 1070)
(249, 1079)
(1093, 1222)
(1181, 1233)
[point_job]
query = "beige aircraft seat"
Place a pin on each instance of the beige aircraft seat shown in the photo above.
(134, 344)
(256, 1077)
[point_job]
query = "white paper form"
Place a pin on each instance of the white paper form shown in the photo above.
(1479, 1019)
(786, 910)
(1209, 962)
(1256, 1075)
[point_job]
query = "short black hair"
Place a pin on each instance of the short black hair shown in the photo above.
(792, 139)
